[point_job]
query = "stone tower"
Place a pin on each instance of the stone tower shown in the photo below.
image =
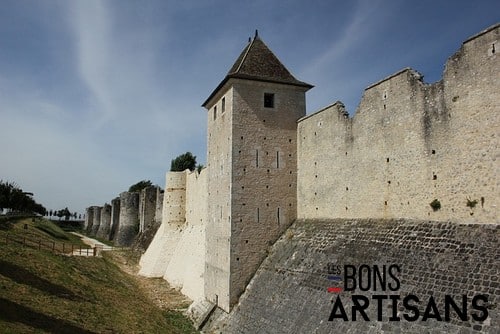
(252, 160)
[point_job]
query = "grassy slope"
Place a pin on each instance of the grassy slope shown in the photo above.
(45, 292)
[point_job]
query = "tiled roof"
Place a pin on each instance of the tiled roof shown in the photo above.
(258, 62)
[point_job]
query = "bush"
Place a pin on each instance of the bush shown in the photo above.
(471, 203)
(435, 204)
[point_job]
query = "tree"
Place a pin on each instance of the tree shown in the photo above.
(6, 192)
(140, 185)
(67, 214)
(14, 198)
(183, 162)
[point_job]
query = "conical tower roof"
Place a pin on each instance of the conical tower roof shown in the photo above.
(257, 62)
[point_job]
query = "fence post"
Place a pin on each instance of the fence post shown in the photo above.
(53, 246)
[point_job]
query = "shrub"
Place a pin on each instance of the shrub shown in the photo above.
(435, 204)
(471, 203)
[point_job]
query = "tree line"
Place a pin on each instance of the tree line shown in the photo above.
(14, 198)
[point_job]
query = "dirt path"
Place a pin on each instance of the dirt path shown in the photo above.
(157, 289)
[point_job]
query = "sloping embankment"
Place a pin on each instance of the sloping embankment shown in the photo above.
(433, 264)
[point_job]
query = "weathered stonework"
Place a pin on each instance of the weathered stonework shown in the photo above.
(177, 251)
(159, 205)
(123, 223)
(149, 217)
(128, 226)
(147, 207)
(96, 221)
(408, 144)
(289, 291)
(89, 218)
(186, 267)
(115, 217)
(155, 260)
(252, 166)
(105, 225)
(361, 187)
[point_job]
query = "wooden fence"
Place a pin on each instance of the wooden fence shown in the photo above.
(56, 247)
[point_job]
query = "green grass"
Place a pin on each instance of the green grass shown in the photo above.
(51, 229)
(41, 291)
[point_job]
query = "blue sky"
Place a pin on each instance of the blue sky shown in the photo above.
(98, 95)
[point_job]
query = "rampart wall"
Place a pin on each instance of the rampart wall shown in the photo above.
(105, 222)
(115, 217)
(187, 265)
(147, 207)
(364, 191)
(96, 221)
(408, 144)
(128, 226)
(159, 206)
(154, 261)
(177, 251)
(129, 215)
(89, 218)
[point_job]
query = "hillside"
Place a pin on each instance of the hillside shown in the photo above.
(47, 292)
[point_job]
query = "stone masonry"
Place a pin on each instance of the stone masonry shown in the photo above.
(105, 225)
(147, 207)
(96, 221)
(115, 217)
(408, 144)
(177, 252)
(128, 225)
(411, 179)
(127, 216)
(289, 292)
(252, 164)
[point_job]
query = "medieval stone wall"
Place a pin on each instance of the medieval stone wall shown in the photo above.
(147, 207)
(96, 220)
(186, 267)
(128, 225)
(408, 144)
(115, 217)
(159, 206)
(89, 218)
(155, 260)
(218, 232)
(128, 216)
(105, 222)
(177, 251)
(364, 188)
(264, 173)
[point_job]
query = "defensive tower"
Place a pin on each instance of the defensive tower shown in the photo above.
(252, 160)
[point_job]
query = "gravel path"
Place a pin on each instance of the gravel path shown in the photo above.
(96, 246)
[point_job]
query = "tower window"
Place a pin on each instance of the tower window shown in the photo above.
(268, 100)
(215, 113)
(223, 106)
